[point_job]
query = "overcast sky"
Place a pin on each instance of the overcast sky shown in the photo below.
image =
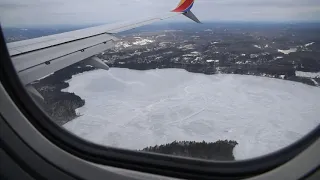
(77, 12)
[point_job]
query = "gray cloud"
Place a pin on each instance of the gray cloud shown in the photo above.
(265, 3)
(50, 12)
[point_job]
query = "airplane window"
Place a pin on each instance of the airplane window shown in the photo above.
(223, 81)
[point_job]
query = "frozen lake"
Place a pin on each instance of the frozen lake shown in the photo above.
(135, 109)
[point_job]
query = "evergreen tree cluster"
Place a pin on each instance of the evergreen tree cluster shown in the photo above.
(60, 106)
(220, 150)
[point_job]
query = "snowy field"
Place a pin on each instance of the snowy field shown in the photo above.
(308, 74)
(135, 109)
(291, 50)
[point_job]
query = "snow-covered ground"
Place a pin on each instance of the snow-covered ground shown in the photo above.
(210, 60)
(308, 74)
(123, 44)
(135, 109)
(291, 50)
(139, 41)
(143, 42)
(309, 44)
(257, 46)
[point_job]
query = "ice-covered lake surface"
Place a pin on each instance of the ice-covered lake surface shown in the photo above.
(135, 109)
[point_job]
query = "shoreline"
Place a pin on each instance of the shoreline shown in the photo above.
(51, 87)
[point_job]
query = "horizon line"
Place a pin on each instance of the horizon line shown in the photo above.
(161, 23)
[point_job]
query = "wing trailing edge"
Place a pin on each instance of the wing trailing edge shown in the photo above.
(38, 57)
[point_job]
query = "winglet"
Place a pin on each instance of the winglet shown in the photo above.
(184, 7)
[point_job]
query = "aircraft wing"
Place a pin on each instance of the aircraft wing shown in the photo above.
(36, 58)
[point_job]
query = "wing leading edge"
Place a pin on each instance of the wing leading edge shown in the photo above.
(38, 57)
